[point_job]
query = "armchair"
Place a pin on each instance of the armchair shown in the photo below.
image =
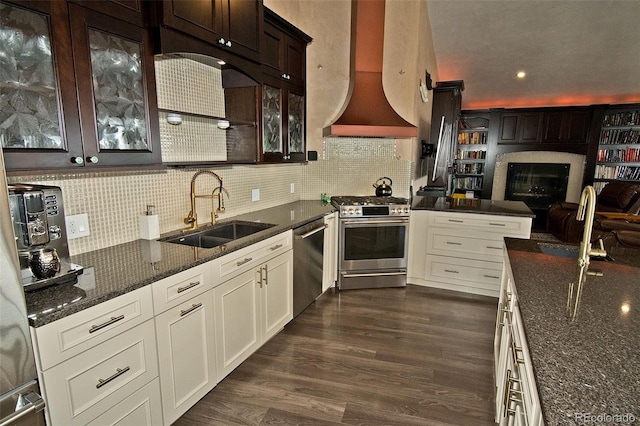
(615, 197)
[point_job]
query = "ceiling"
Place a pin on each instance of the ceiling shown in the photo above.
(574, 52)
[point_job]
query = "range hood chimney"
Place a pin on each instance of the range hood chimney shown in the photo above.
(367, 112)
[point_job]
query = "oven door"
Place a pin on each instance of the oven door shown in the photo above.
(373, 244)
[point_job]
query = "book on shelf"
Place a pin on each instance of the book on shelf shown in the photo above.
(620, 172)
(462, 154)
(472, 138)
(620, 137)
(629, 155)
(622, 118)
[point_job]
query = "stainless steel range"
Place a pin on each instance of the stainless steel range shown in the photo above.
(373, 241)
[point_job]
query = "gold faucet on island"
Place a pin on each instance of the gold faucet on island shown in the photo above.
(192, 217)
(586, 212)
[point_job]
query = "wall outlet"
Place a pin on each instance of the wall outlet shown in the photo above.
(77, 226)
(255, 194)
(292, 188)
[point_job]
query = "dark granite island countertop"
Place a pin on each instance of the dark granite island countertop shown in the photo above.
(590, 365)
(116, 270)
(461, 205)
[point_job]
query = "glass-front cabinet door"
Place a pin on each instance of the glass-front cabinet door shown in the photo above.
(39, 125)
(77, 88)
(283, 123)
(116, 87)
(272, 121)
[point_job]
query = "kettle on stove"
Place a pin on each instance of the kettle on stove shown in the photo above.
(382, 188)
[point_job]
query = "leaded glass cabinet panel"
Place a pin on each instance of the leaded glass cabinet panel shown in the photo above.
(272, 121)
(296, 123)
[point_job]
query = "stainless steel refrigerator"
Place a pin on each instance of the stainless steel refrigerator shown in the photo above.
(20, 401)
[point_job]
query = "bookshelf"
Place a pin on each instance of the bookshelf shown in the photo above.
(618, 155)
(471, 152)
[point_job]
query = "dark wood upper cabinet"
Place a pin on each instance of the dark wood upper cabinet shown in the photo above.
(91, 96)
(283, 117)
(520, 127)
(233, 25)
(284, 54)
(126, 10)
(566, 126)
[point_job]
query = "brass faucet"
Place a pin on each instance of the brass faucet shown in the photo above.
(192, 217)
(586, 212)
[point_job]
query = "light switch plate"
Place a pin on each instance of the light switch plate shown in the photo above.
(255, 194)
(77, 226)
(292, 188)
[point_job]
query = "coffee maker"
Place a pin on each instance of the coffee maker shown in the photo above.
(37, 214)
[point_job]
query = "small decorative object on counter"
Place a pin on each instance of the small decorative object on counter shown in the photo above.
(325, 198)
(382, 188)
(149, 224)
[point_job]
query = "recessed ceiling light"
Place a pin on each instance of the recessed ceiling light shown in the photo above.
(521, 74)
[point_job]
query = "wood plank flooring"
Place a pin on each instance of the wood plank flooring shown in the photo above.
(397, 356)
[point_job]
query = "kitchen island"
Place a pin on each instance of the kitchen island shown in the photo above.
(478, 206)
(586, 369)
(117, 270)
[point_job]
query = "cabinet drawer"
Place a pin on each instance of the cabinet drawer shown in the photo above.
(239, 261)
(72, 335)
(498, 226)
(471, 276)
(81, 388)
(470, 244)
(180, 287)
(143, 408)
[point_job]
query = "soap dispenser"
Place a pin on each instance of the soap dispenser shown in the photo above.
(149, 224)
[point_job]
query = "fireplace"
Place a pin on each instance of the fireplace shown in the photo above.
(538, 185)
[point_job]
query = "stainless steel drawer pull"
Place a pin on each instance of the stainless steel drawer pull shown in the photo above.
(494, 247)
(113, 320)
(495, 277)
(119, 372)
(191, 309)
(276, 247)
(451, 271)
(453, 243)
(246, 260)
(497, 224)
(191, 285)
(456, 220)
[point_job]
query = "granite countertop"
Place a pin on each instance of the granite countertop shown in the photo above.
(461, 205)
(589, 365)
(116, 270)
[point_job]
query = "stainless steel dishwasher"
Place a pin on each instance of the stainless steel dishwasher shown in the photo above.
(308, 246)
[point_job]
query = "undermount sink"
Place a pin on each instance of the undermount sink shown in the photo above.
(218, 235)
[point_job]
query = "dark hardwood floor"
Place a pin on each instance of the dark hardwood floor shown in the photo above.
(411, 356)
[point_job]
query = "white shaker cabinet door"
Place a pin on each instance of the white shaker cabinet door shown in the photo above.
(277, 294)
(237, 320)
(186, 354)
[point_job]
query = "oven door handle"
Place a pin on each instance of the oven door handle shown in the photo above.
(373, 274)
(374, 222)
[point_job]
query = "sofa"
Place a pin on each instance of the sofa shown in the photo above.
(616, 197)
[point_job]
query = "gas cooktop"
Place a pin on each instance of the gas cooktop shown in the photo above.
(367, 201)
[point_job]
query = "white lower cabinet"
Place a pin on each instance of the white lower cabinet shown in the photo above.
(460, 251)
(516, 398)
(84, 387)
(250, 308)
(143, 407)
(186, 354)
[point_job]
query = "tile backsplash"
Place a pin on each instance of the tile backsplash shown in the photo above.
(114, 200)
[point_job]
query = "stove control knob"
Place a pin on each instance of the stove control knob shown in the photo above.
(406, 210)
(394, 211)
(350, 211)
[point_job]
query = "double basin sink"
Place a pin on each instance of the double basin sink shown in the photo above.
(218, 235)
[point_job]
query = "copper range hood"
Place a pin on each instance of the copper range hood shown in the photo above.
(367, 112)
